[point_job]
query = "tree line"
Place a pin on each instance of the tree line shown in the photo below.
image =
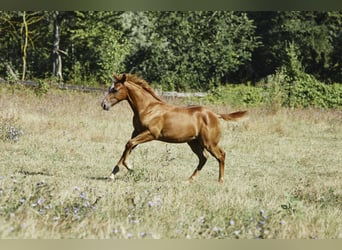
(180, 50)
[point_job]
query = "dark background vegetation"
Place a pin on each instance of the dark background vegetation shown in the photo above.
(294, 55)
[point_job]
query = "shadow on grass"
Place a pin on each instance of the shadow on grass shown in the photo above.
(98, 178)
(129, 176)
(25, 172)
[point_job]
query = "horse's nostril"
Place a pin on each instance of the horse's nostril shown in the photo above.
(104, 106)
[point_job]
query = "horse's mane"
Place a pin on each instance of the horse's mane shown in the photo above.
(142, 83)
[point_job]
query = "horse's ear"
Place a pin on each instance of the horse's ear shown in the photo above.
(123, 78)
(116, 77)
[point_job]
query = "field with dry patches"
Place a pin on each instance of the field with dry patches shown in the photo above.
(282, 181)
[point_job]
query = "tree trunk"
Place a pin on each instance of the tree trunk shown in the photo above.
(25, 43)
(57, 59)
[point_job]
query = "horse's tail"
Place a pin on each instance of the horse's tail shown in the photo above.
(235, 116)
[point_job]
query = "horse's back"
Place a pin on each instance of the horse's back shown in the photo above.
(200, 117)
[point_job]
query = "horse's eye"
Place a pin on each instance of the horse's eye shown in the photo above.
(112, 90)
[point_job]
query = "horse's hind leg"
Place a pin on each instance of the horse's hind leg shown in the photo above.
(202, 154)
(220, 155)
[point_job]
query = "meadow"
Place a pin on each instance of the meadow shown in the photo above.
(282, 180)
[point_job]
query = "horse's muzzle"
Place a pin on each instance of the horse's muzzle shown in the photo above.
(104, 106)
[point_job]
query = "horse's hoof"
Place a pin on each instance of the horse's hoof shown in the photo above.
(110, 178)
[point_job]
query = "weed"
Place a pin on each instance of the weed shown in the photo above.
(9, 128)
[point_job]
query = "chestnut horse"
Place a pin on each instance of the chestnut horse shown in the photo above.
(155, 119)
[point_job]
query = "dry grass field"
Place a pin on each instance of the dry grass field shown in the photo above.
(282, 181)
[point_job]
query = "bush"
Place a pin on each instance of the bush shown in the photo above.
(280, 91)
(42, 88)
(290, 86)
(309, 92)
(236, 95)
(304, 90)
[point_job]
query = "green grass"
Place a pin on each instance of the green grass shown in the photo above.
(282, 181)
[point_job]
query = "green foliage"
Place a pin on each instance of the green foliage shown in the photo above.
(42, 88)
(179, 50)
(317, 36)
(301, 92)
(307, 91)
(236, 95)
(304, 90)
(98, 47)
(289, 87)
(191, 50)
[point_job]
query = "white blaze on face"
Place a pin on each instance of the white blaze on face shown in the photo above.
(112, 86)
(104, 103)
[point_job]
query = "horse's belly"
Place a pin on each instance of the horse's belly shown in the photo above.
(178, 134)
(176, 139)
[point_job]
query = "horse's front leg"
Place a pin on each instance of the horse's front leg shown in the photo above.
(145, 136)
(116, 168)
(126, 163)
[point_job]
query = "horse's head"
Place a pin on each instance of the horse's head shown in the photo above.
(116, 93)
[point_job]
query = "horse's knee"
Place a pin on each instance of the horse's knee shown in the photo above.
(130, 145)
(218, 153)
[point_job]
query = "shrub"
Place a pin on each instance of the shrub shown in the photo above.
(280, 91)
(236, 95)
(304, 90)
(42, 88)
(309, 92)
(290, 86)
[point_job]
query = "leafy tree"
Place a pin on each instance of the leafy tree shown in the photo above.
(193, 50)
(316, 34)
(333, 70)
(97, 48)
(27, 33)
(181, 50)
(21, 42)
(10, 44)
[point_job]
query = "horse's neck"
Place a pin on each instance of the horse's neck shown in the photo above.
(139, 99)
